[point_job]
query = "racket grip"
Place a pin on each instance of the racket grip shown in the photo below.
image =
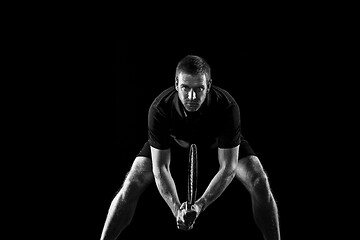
(189, 218)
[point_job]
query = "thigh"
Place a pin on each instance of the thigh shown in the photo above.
(141, 171)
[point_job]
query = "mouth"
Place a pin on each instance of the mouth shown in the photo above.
(192, 104)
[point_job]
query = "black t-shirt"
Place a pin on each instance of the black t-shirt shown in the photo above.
(215, 124)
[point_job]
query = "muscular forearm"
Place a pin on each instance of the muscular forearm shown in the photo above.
(167, 189)
(216, 187)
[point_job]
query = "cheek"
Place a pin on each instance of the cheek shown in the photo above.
(203, 96)
(182, 96)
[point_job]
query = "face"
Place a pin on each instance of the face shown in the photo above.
(192, 90)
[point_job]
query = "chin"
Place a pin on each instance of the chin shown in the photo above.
(192, 109)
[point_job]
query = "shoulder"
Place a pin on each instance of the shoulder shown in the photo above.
(164, 100)
(221, 97)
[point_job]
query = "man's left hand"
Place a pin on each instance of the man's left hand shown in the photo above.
(186, 216)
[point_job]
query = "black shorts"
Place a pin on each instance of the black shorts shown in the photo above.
(244, 150)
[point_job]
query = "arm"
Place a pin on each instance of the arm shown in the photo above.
(163, 179)
(228, 159)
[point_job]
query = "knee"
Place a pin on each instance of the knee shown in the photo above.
(256, 178)
(260, 187)
(259, 181)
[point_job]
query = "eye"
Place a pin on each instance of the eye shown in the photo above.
(185, 88)
(200, 89)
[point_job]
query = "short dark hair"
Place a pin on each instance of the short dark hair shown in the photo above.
(193, 65)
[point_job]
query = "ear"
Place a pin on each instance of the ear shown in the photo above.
(176, 83)
(209, 84)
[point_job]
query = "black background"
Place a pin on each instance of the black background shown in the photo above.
(277, 65)
(268, 70)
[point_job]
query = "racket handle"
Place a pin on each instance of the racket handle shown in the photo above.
(189, 218)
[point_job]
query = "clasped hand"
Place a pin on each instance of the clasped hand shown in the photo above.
(186, 216)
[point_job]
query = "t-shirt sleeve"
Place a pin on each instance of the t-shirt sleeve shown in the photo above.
(158, 129)
(230, 132)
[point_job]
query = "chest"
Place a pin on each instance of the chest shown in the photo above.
(204, 128)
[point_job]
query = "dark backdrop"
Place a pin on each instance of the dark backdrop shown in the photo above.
(278, 71)
(269, 71)
(82, 77)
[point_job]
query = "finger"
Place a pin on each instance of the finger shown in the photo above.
(181, 215)
(183, 205)
(191, 226)
(196, 208)
(182, 226)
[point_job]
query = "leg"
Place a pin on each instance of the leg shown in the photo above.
(250, 172)
(123, 206)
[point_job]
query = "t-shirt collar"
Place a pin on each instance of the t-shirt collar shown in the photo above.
(180, 109)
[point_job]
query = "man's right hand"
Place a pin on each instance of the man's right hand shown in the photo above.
(186, 217)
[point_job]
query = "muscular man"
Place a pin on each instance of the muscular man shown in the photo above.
(194, 111)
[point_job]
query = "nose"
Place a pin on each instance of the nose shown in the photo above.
(192, 95)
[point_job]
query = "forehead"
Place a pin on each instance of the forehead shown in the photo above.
(199, 79)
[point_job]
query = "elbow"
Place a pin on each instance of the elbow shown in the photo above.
(230, 169)
(228, 159)
(231, 172)
(159, 172)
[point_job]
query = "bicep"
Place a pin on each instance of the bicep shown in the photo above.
(228, 157)
(158, 129)
(230, 127)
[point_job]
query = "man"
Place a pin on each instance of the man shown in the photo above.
(194, 112)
